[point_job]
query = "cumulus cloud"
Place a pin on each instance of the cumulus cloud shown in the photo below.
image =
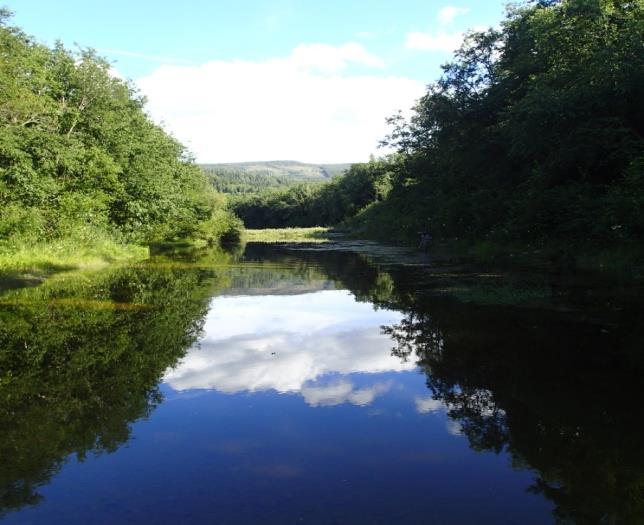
(446, 41)
(447, 14)
(317, 104)
(332, 59)
(287, 343)
(115, 73)
(441, 41)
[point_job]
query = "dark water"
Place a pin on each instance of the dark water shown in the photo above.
(287, 386)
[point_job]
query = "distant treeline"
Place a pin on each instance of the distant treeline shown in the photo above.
(315, 204)
(255, 177)
(533, 133)
(234, 181)
(79, 158)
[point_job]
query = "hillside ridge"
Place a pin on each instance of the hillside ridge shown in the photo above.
(281, 168)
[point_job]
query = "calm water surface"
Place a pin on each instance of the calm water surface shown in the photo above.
(317, 386)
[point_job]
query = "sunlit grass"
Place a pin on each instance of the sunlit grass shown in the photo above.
(317, 234)
(68, 302)
(66, 254)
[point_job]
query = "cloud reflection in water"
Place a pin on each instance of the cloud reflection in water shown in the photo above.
(288, 343)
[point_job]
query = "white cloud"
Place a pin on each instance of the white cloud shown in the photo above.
(115, 73)
(447, 14)
(446, 41)
(441, 41)
(330, 59)
(306, 106)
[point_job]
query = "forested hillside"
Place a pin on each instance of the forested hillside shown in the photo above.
(235, 182)
(534, 133)
(80, 160)
(315, 204)
(252, 177)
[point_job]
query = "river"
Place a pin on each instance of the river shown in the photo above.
(284, 384)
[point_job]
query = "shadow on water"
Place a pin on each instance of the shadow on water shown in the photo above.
(557, 387)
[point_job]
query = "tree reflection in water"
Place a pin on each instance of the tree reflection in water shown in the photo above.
(81, 357)
(560, 394)
(557, 388)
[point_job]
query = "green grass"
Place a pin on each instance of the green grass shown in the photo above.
(65, 254)
(317, 234)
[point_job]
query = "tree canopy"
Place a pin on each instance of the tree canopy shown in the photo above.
(316, 204)
(533, 131)
(80, 156)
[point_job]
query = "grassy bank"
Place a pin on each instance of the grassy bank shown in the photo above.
(45, 258)
(624, 256)
(317, 234)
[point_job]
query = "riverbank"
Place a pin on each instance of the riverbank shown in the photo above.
(626, 257)
(41, 259)
(270, 235)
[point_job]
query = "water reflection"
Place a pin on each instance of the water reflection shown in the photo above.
(560, 392)
(556, 390)
(81, 357)
(287, 343)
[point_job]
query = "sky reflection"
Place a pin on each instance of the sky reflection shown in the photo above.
(290, 344)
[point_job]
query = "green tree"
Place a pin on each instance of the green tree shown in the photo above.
(80, 157)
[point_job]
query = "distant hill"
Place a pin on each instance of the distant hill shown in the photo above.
(283, 168)
(250, 177)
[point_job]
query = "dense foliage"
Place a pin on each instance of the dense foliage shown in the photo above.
(534, 132)
(80, 158)
(315, 204)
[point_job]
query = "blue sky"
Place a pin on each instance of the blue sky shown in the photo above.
(257, 80)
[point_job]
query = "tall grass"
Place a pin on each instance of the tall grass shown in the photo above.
(65, 254)
(316, 234)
